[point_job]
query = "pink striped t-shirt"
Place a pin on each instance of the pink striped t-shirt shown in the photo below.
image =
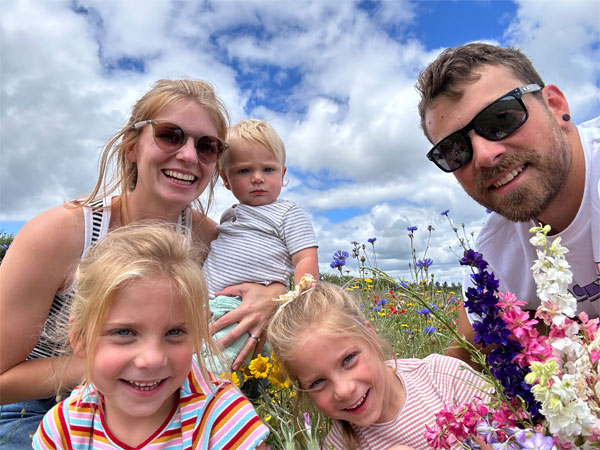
(430, 383)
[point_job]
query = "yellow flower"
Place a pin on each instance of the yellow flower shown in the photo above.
(260, 366)
(246, 374)
(233, 377)
(368, 280)
(267, 417)
(278, 379)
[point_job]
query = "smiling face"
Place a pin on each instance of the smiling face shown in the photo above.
(518, 176)
(143, 355)
(346, 380)
(173, 178)
(253, 174)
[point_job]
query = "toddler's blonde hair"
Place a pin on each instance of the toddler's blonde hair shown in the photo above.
(253, 131)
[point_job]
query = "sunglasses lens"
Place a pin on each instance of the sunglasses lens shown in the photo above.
(500, 119)
(168, 136)
(452, 153)
(208, 148)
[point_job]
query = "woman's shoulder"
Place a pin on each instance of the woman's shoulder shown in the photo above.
(56, 234)
(204, 229)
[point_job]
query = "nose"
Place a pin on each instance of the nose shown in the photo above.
(343, 389)
(257, 177)
(188, 153)
(486, 153)
(151, 355)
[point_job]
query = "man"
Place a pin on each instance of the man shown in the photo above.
(509, 140)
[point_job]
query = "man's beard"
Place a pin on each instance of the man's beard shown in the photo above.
(531, 199)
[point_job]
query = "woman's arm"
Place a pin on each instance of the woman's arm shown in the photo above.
(252, 315)
(40, 261)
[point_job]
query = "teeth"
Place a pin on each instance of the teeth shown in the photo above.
(509, 176)
(145, 385)
(180, 177)
(358, 403)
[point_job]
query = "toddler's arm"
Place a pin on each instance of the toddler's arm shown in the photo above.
(305, 261)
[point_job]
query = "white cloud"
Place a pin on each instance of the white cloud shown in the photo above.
(335, 80)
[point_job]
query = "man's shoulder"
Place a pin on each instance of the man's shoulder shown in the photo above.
(498, 228)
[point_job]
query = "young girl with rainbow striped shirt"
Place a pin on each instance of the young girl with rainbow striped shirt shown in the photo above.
(139, 320)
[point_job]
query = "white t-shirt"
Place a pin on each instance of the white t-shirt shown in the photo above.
(505, 245)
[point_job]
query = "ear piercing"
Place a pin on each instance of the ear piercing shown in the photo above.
(566, 117)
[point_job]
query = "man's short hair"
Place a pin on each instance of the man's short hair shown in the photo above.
(456, 66)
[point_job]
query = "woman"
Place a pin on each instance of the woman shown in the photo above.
(164, 159)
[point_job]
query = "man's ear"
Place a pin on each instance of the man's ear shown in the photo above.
(76, 344)
(556, 101)
(224, 178)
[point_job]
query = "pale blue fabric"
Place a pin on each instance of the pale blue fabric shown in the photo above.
(18, 422)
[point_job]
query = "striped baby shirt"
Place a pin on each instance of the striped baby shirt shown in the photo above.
(430, 383)
(210, 415)
(255, 244)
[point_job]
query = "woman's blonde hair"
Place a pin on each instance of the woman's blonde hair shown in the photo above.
(162, 94)
(139, 253)
(329, 310)
(253, 131)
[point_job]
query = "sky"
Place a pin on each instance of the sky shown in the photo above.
(334, 77)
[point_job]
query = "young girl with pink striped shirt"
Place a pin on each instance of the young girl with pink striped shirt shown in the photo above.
(333, 355)
(139, 320)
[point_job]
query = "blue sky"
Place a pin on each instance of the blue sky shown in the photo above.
(335, 79)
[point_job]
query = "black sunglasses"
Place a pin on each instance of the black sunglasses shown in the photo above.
(170, 137)
(496, 121)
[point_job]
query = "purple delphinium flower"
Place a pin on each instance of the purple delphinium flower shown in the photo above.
(490, 328)
(529, 439)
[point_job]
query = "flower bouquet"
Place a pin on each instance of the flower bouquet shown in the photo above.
(544, 391)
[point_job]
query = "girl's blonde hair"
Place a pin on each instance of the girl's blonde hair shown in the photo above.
(328, 310)
(253, 131)
(162, 94)
(139, 253)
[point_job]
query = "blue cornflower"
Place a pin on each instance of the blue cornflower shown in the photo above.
(428, 330)
(337, 263)
(371, 240)
(376, 308)
(411, 229)
(340, 254)
(445, 212)
(489, 211)
(383, 301)
(423, 311)
(424, 262)
(5, 247)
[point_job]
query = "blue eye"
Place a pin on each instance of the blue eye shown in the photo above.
(316, 383)
(176, 332)
(348, 359)
(123, 332)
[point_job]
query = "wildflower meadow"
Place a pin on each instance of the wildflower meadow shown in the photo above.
(540, 392)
